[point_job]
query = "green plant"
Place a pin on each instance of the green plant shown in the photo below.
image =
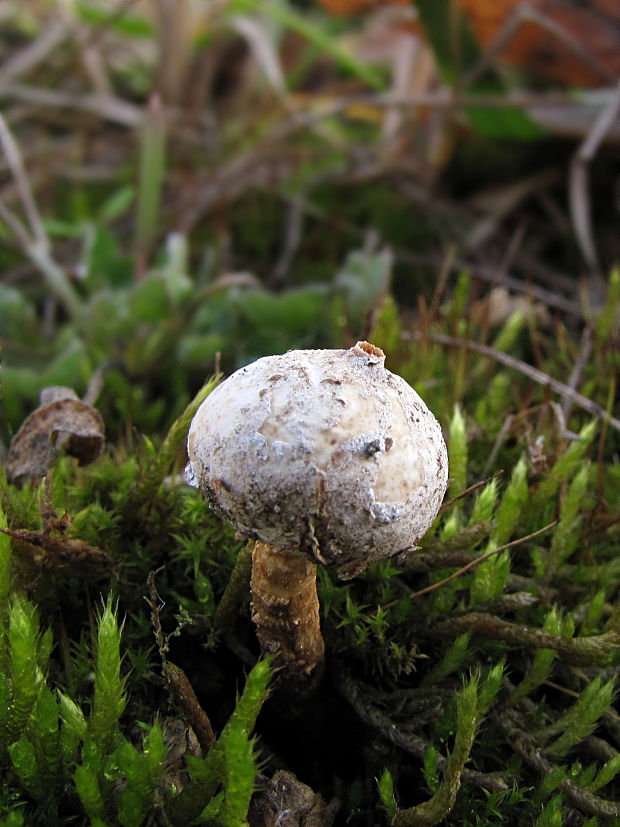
(58, 753)
(156, 229)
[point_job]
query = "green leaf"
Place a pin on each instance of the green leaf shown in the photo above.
(452, 660)
(118, 203)
(607, 773)
(565, 537)
(18, 321)
(484, 504)
(45, 733)
(241, 771)
(14, 819)
(431, 768)
(136, 799)
(153, 139)
(437, 808)
(87, 787)
(291, 312)
(514, 500)
(542, 662)
(490, 685)
(609, 314)
(24, 763)
(26, 676)
(457, 452)
(104, 263)
(72, 716)
(149, 301)
(504, 123)
(580, 719)
(130, 25)
(214, 771)
(385, 785)
(362, 282)
(109, 701)
(5, 701)
(290, 19)
(386, 333)
(449, 34)
(155, 750)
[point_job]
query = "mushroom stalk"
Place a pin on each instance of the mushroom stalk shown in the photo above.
(285, 609)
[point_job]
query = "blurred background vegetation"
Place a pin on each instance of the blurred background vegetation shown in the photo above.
(187, 186)
(192, 178)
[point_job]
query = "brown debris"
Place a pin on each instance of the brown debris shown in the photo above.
(61, 423)
(56, 550)
(178, 682)
(288, 803)
(183, 691)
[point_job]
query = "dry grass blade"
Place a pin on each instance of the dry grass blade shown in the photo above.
(34, 240)
(527, 370)
(579, 179)
(35, 53)
(255, 32)
(16, 167)
(108, 108)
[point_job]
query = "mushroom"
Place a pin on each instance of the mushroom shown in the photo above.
(321, 456)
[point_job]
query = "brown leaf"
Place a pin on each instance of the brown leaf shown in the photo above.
(61, 423)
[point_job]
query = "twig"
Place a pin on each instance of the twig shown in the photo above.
(579, 179)
(584, 651)
(442, 99)
(14, 225)
(493, 275)
(501, 436)
(30, 56)
(524, 746)
(178, 682)
(523, 14)
(470, 490)
(14, 162)
(292, 239)
(35, 244)
(183, 691)
(410, 742)
(582, 360)
(504, 203)
(110, 108)
(472, 565)
(527, 370)
(481, 559)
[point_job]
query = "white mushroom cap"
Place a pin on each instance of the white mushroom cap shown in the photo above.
(324, 451)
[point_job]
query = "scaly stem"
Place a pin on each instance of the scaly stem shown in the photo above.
(285, 609)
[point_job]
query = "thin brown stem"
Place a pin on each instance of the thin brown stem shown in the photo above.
(533, 373)
(178, 682)
(473, 563)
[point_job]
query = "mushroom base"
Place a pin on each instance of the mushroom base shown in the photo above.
(285, 609)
